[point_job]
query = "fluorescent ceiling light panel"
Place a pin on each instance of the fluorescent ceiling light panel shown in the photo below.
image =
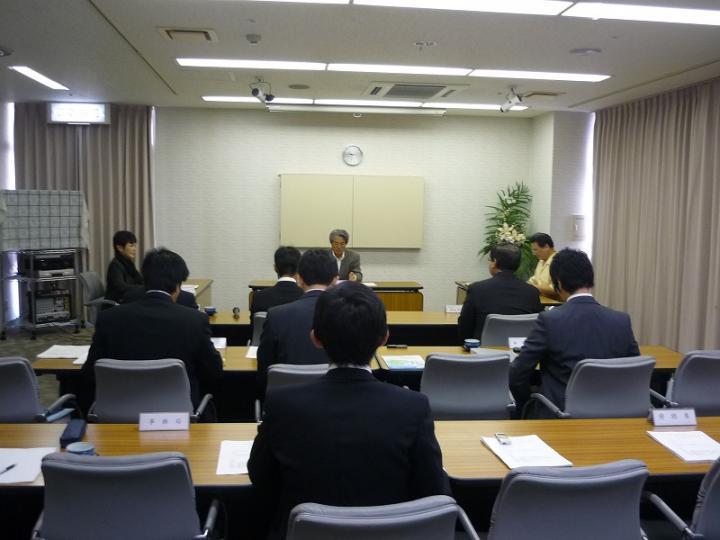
(231, 63)
(306, 1)
(232, 99)
(468, 106)
(38, 77)
(628, 12)
(74, 113)
(406, 70)
(527, 7)
(292, 101)
(363, 110)
(542, 75)
(366, 103)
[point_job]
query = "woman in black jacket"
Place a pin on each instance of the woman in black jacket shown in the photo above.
(123, 278)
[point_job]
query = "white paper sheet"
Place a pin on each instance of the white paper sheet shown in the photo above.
(526, 451)
(233, 457)
(405, 361)
(369, 283)
(65, 351)
(80, 360)
(251, 352)
(189, 288)
(219, 342)
(26, 461)
(453, 308)
(690, 446)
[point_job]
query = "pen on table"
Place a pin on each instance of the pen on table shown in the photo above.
(9, 467)
(503, 439)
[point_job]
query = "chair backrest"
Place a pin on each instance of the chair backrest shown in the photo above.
(258, 321)
(706, 518)
(498, 328)
(19, 391)
(125, 388)
(568, 503)
(92, 289)
(287, 374)
(148, 496)
(467, 387)
(696, 382)
(431, 518)
(610, 388)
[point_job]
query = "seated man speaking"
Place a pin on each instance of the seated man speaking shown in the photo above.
(346, 439)
(155, 327)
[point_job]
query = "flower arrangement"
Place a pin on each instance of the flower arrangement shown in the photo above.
(507, 223)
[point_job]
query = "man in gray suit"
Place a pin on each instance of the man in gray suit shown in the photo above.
(348, 262)
(581, 328)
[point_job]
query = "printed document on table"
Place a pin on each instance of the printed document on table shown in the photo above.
(233, 457)
(405, 361)
(65, 351)
(690, 446)
(252, 352)
(26, 463)
(189, 288)
(526, 451)
(219, 342)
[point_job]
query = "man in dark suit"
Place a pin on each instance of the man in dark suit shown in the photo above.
(579, 329)
(285, 337)
(156, 327)
(286, 289)
(346, 439)
(348, 262)
(504, 293)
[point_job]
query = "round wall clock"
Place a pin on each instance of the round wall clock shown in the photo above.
(352, 155)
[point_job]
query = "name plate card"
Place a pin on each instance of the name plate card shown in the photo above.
(673, 417)
(164, 421)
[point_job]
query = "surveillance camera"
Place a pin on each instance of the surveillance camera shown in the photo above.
(269, 97)
(513, 99)
(258, 93)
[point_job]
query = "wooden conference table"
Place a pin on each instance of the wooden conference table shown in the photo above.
(408, 327)
(462, 288)
(583, 442)
(396, 295)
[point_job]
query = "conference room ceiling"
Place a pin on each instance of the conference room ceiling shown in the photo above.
(115, 51)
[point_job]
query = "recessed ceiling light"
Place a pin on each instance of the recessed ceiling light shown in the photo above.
(367, 103)
(528, 7)
(542, 75)
(249, 64)
(5, 52)
(38, 77)
(628, 12)
(405, 70)
(468, 106)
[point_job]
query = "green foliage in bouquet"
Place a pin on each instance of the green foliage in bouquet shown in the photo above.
(507, 223)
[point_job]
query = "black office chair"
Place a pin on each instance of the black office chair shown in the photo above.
(144, 497)
(20, 395)
(93, 294)
(258, 321)
(498, 328)
(289, 374)
(695, 384)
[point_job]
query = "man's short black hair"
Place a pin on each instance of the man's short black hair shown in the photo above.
(163, 270)
(542, 240)
(506, 256)
(350, 322)
(316, 267)
(286, 260)
(572, 269)
(123, 238)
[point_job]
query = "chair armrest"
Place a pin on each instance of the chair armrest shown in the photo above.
(511, 405)
(100, 302)
(210, 520)
(91, 415)
(665, 402)
(466, 525)
(671, 516)
(549, 405)
(195, 417)
(258, 411)
(56, 411)
(37, 527)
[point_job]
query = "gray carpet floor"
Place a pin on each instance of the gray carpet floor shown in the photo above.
(18, 343)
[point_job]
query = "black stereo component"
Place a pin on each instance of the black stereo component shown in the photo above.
(46, 265)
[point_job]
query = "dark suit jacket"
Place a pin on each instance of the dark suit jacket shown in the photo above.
(285, 337)
(347, 440)
(579, 329)
(185, 298)
(350, 263)
(156, 327)
(122, 279)
(283, 292)
(504, 294)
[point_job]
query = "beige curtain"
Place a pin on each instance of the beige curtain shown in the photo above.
(109, 163)
(657, 215)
